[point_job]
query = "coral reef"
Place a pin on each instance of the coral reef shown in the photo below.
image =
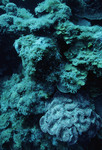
(50, 73)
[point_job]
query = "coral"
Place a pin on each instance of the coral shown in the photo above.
(70, 118)
(24, 21)
(5, 136)
(4, 120)
(71, 79)
(4, 2)
(23, 13)
(22, 94)
(58, 11)
(71, 32)
(89, 57)
(85, 52)
(5, 22)
(17, 135)
(35, 51)
(11, 9)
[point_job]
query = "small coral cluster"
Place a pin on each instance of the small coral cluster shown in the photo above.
(71, 79)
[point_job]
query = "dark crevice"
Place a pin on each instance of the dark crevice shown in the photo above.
(9, 59)
(30, 121)
(96, 22)
(63, 48)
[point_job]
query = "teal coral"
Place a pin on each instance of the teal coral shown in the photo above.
(55, 8)
(35, 51)
(71, 79)
(85, 52)
(23, 95)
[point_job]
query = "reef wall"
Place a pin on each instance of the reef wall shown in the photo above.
(50, 75)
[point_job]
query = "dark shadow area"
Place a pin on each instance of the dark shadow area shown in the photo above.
(96, 22)
(9, 59)
(28, 4)
(30, 121)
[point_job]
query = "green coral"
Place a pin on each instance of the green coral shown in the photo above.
(85, 46)
(71, 79)
(71, 32)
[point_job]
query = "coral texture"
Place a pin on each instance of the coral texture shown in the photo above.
(11, 9)
(70, 119)
(71, 79)
(36, 50)
(50, 52)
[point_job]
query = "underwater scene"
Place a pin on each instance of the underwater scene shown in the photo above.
(50, 74)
